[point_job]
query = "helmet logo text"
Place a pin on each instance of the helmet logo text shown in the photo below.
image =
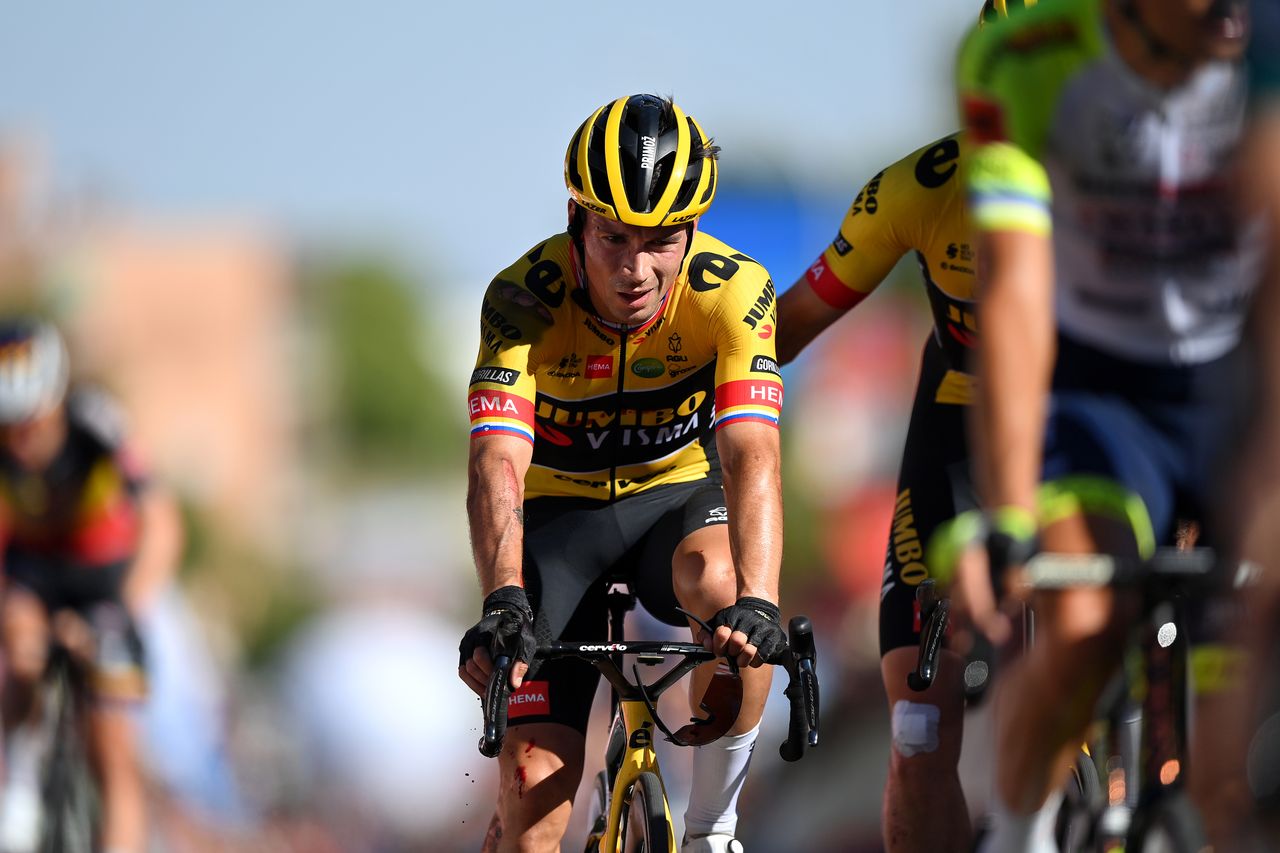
(648, 147)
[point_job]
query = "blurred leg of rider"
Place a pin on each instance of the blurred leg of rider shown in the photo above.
(25, 638)
(924, 806)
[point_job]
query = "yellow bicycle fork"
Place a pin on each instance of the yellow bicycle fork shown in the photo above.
(638, 757)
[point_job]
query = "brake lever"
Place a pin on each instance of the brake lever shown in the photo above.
(701, 623)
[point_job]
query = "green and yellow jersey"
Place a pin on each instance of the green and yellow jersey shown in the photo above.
(1132, 181)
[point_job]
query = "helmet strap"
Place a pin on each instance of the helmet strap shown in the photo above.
(688, 243)
(578, 224)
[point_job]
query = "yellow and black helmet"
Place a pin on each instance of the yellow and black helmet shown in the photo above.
(994, 10)
(641, 160)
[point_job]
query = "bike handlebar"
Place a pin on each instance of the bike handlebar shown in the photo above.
(934, 613)
(1047, 570)
(495, 707)
(800, 660)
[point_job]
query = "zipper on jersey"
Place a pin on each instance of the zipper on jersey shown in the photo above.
(617, 432)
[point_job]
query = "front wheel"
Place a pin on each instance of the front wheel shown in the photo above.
(1082, 803)
(598, 816)
(1170, 825)
(647, 828)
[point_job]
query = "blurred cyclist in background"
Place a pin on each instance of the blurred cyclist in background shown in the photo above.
(917, 204)
(1115, 279)
(1237, 776)
(624, 413)
(83, 540)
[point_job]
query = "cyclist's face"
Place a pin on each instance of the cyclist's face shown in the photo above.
(36, 441)
(1198, 29)
(630, 269)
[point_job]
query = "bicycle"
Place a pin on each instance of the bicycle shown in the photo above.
(631, 812)
(1126, 791)
(68, 793)
(1140, 801)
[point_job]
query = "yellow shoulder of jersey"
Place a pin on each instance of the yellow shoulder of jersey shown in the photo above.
(521, 302)
(899, 210)
(736, 296)
(517, 328)
(727, 284)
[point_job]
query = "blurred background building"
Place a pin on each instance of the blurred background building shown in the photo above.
(267, 230)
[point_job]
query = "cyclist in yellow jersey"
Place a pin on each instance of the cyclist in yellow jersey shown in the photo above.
(916, 205)
(624, 412)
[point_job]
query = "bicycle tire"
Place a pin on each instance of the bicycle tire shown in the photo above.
(1170, 824)
(598, 815)
(1082, 803)
(647, 829)
(67, 791)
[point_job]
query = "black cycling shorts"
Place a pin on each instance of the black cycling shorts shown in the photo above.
(575, 547)
(95, 593)
(934, 486)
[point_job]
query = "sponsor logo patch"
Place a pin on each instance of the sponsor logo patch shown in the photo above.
(763, 306)
(648, 368)
(749, 392)
(866, 199)
(599, 366)
(533, 697)
(498, 404)
(764, 364)
(567, 368)
(499, 375)
(936, 165)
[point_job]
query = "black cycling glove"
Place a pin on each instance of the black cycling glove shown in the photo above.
(760, 620)
(505, 628)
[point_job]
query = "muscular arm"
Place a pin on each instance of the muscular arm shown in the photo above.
(802, 315)
(1014, 364)
(159, 549)
(750, 457)
(495, 500)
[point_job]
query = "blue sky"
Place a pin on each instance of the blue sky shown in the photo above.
(439, 129)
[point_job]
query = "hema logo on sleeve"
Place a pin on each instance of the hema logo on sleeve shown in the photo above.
(533, 697)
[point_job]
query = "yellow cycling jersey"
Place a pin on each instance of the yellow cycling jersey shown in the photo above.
(609, 412)
(917, 204)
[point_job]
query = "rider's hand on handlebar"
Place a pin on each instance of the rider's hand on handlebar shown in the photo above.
(505, 628)
(748, 631)
(980, 556)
